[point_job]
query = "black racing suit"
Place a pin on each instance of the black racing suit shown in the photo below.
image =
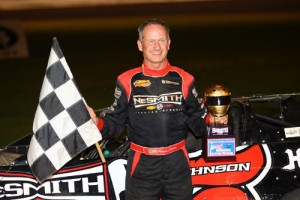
(157, 108)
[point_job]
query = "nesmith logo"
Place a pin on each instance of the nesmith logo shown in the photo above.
(87, 183)
(148, 100)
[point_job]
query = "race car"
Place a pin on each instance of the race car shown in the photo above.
(266, 164)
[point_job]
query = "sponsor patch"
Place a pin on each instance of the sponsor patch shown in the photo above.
(159, 106)
(169, 82)
(151, 108)
(118, 93)
(168, 105)
(142, 83)
(111, 108)
(86, 181)
(292, 132)
(153, 100)
(115, 103)
(220, 130)
(195, 93)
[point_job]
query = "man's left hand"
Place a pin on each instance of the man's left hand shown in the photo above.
(218, 121)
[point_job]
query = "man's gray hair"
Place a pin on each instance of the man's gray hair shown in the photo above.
(152, 21)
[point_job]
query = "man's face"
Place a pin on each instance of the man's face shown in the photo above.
(155, 44)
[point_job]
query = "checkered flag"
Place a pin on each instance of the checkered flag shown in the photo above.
(62, 126)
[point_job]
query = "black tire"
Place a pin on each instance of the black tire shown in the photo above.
(294, 195)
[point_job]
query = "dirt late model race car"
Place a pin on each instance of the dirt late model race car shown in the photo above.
(266, 163)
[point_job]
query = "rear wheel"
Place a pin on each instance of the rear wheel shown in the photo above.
(294, 195)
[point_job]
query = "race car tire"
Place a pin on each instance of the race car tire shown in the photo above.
(294, 195)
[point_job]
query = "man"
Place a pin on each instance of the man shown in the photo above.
(158, 105)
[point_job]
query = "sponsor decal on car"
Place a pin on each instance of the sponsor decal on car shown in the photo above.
(80, 182)
(292, 132)
(231, 178)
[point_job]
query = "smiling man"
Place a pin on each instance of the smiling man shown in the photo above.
(154, 42)
(158, 104)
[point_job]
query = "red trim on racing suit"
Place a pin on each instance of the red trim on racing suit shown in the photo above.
(135, 162)
(160, 151)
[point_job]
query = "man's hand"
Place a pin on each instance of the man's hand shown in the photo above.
(93, 114)
(218, 121)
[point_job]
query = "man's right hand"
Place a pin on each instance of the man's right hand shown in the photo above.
(93, 115)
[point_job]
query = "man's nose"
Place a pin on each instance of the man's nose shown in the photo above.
(156, 45)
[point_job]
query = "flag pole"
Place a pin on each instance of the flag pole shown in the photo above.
(100, 151)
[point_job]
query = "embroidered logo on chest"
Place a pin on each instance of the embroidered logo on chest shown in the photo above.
(142, 83)
(169, 82)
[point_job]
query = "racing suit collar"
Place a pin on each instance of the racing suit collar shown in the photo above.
(155, 73)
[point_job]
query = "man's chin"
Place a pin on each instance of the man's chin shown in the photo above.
(157, 60)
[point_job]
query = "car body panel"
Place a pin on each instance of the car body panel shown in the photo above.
(267, 164)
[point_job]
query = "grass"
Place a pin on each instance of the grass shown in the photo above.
(250, 55)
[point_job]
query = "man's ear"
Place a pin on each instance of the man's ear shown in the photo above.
(140, 46)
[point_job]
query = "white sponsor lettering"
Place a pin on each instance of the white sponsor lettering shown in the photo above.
(235, 167)
(117, 171)
(292, 159)
(13, 190)
(220, 131)
(147, 100)
(85, 183)
(292, 132)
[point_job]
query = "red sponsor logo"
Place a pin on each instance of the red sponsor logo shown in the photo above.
(225, 178)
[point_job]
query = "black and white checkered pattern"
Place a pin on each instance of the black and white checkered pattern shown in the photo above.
(62, 126)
